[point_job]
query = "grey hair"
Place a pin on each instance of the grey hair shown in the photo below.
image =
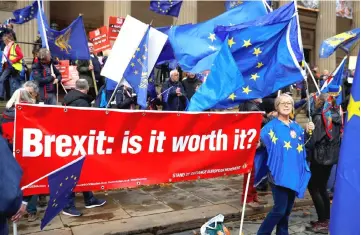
(43, 53)
(283, 96)
(82, 84)
(20, 95)
(173, 72)
(32, 85)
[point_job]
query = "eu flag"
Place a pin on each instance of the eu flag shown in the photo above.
(232, 4)
(167, 54)
(199, 55)
(166, 7)
(68, 44)
(25, 14)
(343, 40)
(336, 79)
(152, 92)
(345, 212)
(61, 185)
(224, 79)
(267, 53)
(137, 71)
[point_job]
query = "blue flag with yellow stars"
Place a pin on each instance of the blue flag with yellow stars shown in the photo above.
(232, 4)
(61, 185)
(336, 81)
(136, 73)
(25, 14)
(68, 44)
(286, 154)
(224, 79)
(343, 41)
(199, 55)
(345, 213)
(166, 7)
(267, 54)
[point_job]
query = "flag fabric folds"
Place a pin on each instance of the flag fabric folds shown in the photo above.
(265, 54)
(199, 55)
(224, 79)
(61, 185)
(136, 74)
(345, 211)
(68, 44)
(166, 7)
(336, 80)
(343, 40)
(25, 14)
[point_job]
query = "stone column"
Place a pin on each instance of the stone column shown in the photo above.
(26, 33)
(325, 28)
(116, 8)
(356, 24)
(188, 13)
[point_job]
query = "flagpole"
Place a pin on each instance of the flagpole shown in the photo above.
(244, 203)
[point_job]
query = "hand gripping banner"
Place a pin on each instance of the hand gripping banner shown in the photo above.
(132, 148)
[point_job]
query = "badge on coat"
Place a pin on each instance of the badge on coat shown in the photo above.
(293, 134)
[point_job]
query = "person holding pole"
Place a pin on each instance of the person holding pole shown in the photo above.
(90, 71)
(288, 171)
(47, 81)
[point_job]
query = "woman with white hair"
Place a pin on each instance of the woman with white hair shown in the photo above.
(288, 173)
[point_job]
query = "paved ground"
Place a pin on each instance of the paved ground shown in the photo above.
(299, 220)
(162, 209)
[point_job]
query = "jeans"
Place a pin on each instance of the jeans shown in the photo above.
(88, 196)
(284, 199)
(4, 229)
(32, 202)
(51, 99)
(318, 190)
(6, 75)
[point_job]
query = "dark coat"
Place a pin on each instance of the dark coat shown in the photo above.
(190, 85)
(42, 75)
(321, 148)
(174, 102)
(85, 73)
(124, 98)
(77, 99)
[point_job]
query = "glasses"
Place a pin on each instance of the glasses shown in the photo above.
(286, 103)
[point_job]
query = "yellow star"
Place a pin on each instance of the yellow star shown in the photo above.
(259, 65)
(247, 43)
(299, 148)
(353, 108)
(133, 56)
(54, 200)
(212, 36)
(287, 145)
(135, 72)
(257, 51)
(231, 42)
(274, 139)
(271, 133)
(72, 176)
(132, 64)
(75, 178)
(144, 57)
(232, 96)
(254, 76)
(246, 90)
(61, 184)
(66, 178)
(138, 49)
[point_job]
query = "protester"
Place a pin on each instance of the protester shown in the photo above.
(47, 81)
(324, 77)
(252, 199)
(190, 83)
(79, 98)
(12, 65)
(323, 151)
(85, 71)
(288, 169)
(125, 98)
(174, 97)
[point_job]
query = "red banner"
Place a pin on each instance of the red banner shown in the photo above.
(115, 24)
(132, 148)
(100, 39)
(63, 67)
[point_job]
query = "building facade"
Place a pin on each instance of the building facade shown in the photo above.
(316, 24)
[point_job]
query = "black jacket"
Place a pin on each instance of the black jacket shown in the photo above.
(124, 98)
(174, 102)
(190, 85)
(321, 148)
(85, 73)
(77, 98)
(42, 75)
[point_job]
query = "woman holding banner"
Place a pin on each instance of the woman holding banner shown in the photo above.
(288, 172)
